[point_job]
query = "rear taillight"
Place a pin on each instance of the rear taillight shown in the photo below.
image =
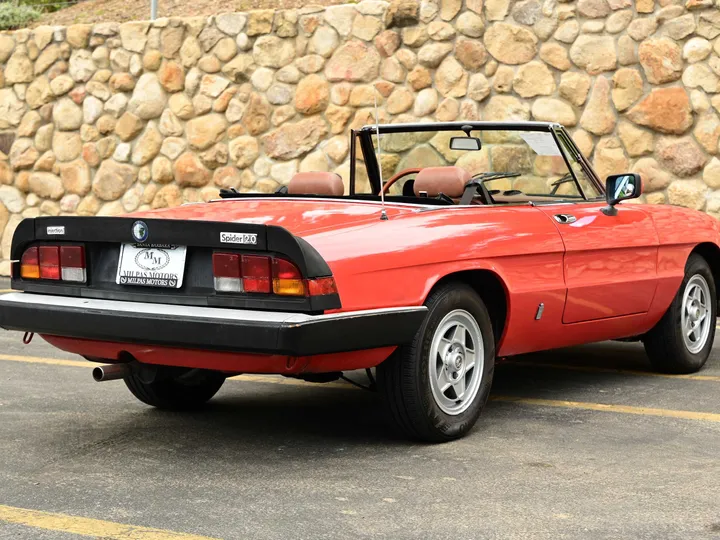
(262, 274)
(56, 263)
(256, 274)
(322, 286)
(287, 279)
(226, 272)
(30, 264)
(72, 264)
(50, 262)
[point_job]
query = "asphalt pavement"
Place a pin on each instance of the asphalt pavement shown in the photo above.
(578, 443)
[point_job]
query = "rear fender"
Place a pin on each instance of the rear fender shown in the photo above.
(527, 282)
(493, 291)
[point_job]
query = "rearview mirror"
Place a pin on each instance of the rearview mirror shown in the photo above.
(621, 187)
(465, 143)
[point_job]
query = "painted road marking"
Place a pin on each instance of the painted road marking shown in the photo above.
(97, 528)
(624, 409)
(5, 290)
(593, 369)
(277, 379)
(269, 379)
(51, 361)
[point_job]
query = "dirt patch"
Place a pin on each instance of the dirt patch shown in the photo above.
(95, 11)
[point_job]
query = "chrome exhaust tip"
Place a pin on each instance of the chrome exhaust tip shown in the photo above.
(111, 372)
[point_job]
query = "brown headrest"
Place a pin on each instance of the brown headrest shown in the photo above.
(449, 181)
(316, 183)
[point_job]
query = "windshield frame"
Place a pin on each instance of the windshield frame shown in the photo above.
(363, 138)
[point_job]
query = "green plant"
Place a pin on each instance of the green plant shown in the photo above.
(13, 16)
(45, 6)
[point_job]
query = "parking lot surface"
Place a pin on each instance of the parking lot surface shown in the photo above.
(577, 443)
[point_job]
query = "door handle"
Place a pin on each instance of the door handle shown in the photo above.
(565, 218)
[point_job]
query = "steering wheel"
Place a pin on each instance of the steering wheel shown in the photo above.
(398, 176)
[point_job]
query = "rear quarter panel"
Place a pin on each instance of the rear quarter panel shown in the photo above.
(397, 262)
(680, 230)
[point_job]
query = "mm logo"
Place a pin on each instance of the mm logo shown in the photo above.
(152, 259)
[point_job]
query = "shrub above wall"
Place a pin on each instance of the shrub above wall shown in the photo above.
(16, 16)
(108, 118)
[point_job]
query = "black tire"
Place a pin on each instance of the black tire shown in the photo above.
(665, 344)
(404, 379)
(188, 390)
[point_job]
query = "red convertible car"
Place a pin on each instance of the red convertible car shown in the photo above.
(446, 247)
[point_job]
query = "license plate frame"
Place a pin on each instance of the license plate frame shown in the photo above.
(151, 265)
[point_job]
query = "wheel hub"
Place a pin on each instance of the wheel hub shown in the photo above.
(694, 311)
(455, 362)
(695, 323)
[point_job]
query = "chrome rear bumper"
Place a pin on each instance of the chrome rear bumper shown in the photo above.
(195, 327)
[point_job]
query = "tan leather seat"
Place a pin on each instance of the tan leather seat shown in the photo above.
(316, 183)
(449, 181)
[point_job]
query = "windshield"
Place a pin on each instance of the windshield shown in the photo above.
(510, 165)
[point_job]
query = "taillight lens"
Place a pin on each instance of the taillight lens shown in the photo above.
(226, 272)
(287, 280)
(256, 274)
(322, 286)
(30, 264)
(50, 262)
(56, 263)
(262, 274)
(72, 264)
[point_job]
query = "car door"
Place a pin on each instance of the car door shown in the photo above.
(610, 262)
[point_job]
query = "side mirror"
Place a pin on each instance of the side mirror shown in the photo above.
(621, 187)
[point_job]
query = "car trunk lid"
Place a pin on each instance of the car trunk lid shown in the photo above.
(302, 217)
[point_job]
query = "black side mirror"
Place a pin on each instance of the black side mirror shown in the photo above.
(621, 187)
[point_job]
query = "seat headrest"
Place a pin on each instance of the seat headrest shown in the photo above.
(316, 183)
(449, 181)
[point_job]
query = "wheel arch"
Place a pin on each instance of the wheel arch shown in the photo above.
(493, 291)
(711, 253)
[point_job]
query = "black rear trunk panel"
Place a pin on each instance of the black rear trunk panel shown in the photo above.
(103, 236)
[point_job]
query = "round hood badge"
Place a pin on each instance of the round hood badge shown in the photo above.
(140, 231)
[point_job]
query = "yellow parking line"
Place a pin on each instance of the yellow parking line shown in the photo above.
(277, 379)
(594, 369)
(5, 290)
(270, 379)
(623, 409)
(51, 361)
(88, 527)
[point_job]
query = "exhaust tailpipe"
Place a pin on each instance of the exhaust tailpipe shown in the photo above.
(111, 372)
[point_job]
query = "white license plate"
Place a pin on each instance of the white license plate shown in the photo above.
(151, 266)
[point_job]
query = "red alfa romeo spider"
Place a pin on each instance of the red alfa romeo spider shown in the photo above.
(447, 246)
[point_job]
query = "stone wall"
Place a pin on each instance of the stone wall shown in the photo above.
(106, 119)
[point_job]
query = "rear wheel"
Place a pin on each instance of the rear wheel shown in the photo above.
(437, 386)
(682, 340)
(176, 390)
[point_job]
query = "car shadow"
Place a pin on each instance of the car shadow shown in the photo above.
(246, 412)
(559, 371)
(251, 416)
